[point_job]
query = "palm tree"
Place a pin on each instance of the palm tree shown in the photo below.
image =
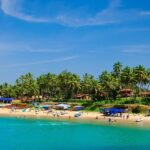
(27, 85)
(97, 90)
(69, 84)
(117, 69)
(110, 84)
(42, 83)
(87, 83)
(91, 86)
(140, 77)
(127, 77)
(7, 90)
(52, 84)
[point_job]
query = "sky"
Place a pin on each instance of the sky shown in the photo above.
(81, 36)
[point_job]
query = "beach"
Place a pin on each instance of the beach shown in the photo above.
(91, 117)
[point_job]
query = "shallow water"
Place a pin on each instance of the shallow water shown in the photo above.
(36, 134)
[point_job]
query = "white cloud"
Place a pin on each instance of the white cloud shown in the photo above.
(11, 8)
(128, 49)
(20, 47)
(42, 62)
(109, 15)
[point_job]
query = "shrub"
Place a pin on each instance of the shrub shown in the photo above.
(137, 110)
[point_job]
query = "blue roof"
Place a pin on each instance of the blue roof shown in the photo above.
(114, 110)
(6, 99)
(78, 106)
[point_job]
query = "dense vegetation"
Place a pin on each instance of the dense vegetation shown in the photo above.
(66, 85)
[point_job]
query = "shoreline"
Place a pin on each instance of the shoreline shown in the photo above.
(86, 117)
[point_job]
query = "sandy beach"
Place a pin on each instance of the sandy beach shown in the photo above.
(91, 117)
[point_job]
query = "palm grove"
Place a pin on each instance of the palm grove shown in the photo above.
(66, 85)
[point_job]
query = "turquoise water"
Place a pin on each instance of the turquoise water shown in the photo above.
(34, 134)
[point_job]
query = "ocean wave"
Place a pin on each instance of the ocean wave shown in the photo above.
(54, 124)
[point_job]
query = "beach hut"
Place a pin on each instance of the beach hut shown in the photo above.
(6, 100)
(78, 108)
(83, 96)
(112, 111)
(145, 94)
(62, 106)
(126, 92)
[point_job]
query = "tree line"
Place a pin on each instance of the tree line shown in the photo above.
(66, 84)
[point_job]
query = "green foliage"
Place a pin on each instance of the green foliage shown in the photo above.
(137, 110)
(69, 84)
(26, 85)
(66, 85)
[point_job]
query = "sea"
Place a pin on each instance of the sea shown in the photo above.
(44, 134)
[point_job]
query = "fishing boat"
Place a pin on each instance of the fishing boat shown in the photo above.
(78, 114)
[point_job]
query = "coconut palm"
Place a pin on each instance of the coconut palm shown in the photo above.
(7, 90)
(27, 85)
(91, 86)
(140, 77)
(110, 84)
(69, 84)
(127, 77)
(117, 69)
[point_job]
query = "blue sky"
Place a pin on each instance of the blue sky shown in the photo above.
(41, 36)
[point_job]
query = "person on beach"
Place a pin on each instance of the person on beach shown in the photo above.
(15, 108)
(121, 115)
(12, 109)
(36, 111)
(96, 118)
(128, 116)
(53, 115)
(109, 120)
